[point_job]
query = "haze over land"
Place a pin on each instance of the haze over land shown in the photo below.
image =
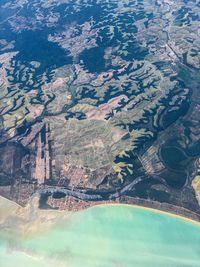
(99, 104)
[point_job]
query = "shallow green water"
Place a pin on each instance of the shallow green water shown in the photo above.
(109, 236)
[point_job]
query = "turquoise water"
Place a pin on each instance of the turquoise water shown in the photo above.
(108, 236)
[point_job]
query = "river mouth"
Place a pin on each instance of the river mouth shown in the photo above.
(109, 236)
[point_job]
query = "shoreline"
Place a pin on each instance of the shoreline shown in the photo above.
(72, 203)
(168, 209)
(154, 210)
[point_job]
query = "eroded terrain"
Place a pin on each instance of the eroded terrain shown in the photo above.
(99, 100)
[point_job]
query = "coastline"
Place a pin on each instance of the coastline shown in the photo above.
(76, 204)
(153, 206)
(149, 209)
